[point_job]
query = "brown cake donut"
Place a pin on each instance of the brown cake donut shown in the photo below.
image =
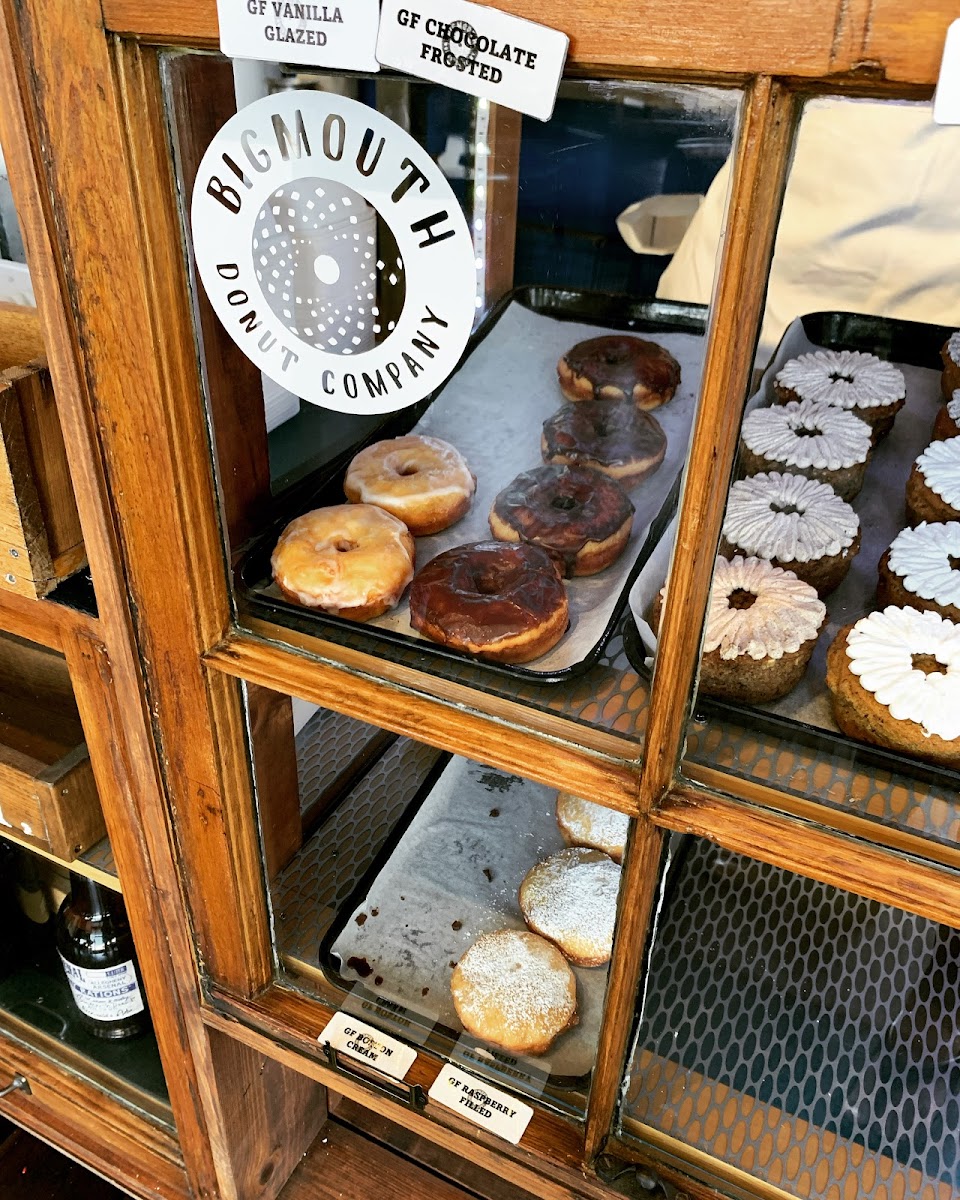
(950, 356)
(498, 600)
(515, 990)
(617, 439)
(350, 560)
(619, 367)
(571, 898)
(933, 489)
(921, 569)
(850, 380)
(423, 481)
(579, 516)
(894, 679)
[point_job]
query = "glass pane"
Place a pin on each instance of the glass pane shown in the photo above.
(830, 666)
(799, 1034)
(555, 264)
(407, 862)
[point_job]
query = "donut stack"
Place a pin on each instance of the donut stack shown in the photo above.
(894, 675)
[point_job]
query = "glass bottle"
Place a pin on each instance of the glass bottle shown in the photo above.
(96, 948)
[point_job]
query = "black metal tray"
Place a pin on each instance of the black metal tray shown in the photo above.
(916, 344)
(252, 576)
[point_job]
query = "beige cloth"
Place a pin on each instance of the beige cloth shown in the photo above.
(870, 223)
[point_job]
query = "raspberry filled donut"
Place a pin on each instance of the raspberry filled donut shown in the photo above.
(617, 439)
(619, 367)
(867, 386)
(500, 601)
(423, 481)
(350, 560)
(894, 679)
(515, 990)
(571, 898)
(579, 516)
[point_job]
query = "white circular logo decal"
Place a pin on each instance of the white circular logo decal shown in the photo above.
(334, 252)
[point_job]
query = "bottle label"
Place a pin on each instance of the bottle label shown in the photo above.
(106, 993)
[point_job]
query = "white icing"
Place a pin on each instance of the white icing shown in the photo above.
(844, 378)
(921, 558)
(823, 526)
(840, 438)
(786, 613)
(953, 347)
(953, 405)
(881, 647)
(939, 465)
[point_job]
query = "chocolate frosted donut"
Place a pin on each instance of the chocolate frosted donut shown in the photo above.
(579, 516)
(619, 367)
(617, 439)
(500, 601)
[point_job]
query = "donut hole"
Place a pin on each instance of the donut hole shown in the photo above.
(741, 599)
(601, 429)
(803, 432)
(953, 560)
(344, 545)
(614, 358)
(928, 664)
(408, 468)
(564, 503)
(840, 377)
(488, 581)
(787, 509)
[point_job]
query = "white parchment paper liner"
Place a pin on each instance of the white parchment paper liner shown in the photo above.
(882, 516)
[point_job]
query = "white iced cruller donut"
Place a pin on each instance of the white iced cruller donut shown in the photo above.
(922, 569)
(350, 560)
(423, 481)
(848, 379)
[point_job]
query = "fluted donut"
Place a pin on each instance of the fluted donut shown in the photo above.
(423, 481)
(351, 560)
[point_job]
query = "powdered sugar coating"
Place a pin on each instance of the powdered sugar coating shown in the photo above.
(939, 465)
(953, 347)
(756, 522)
(831, 439)
(518, 981)
(880, 650)
(847, 379)
(586, 823)
(921, 558)
(786, 613)
(571, 898)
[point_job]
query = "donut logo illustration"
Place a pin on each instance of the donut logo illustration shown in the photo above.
(334, 252)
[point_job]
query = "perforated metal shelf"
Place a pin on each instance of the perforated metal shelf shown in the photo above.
(802, 1034)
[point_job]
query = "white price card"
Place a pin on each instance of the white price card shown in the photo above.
(341, 33)
(475, 49)
(481, 1103)
(361, 1041)
(946, 101)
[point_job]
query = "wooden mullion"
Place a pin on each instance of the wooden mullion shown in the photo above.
(638, 889)
(822, 854)
(762, 158)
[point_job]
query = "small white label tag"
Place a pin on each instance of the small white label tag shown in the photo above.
(341, 33)
(361, 1041)
(482, 1104)
(946, 101)
(475, 49)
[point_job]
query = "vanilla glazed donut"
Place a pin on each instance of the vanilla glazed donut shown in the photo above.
(619, 367)
(615, 438)
(579, 516)
(350, 560)
(423, 481)
(499, 600)
(515, 990)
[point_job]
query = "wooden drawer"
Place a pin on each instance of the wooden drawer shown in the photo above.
(47, 791)
(40, 538)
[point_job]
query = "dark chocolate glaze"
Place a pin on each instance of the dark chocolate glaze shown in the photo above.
(483, 592)
(561, 508)
(612, 432)
(622, 361)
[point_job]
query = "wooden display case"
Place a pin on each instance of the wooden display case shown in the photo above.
(186, 698)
